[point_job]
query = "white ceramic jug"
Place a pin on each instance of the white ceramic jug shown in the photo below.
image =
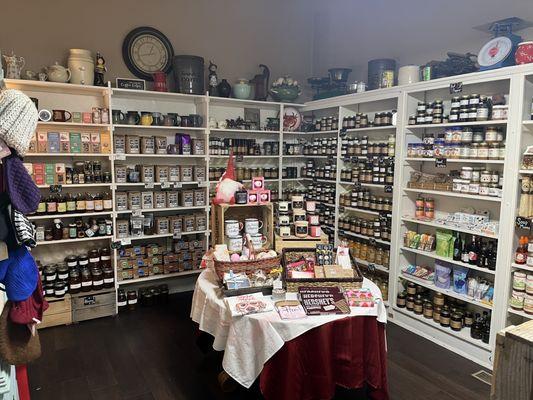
(81, 66)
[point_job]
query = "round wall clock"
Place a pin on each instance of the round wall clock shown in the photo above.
(146, 50)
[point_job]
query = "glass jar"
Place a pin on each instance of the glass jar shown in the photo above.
(483, 151)
(494, 151)
(74, 281)
(467, 135)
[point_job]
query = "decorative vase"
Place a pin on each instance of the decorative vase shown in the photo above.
(285, 94)
(224, 88)
(242, 89)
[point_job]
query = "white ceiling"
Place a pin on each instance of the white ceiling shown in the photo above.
(350, 32)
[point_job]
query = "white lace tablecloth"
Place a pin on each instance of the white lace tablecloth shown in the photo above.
(250, 341)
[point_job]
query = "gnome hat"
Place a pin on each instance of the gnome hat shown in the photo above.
(227, 185)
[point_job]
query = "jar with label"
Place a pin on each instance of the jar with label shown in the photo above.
(467, 135)
(438, 299)
(445, 316)
(428, 310)
(466, 173)
(482, 113)
(74, 281)
(86, 280)
(483, 151)
(485, 176)
(464, 151)
(519, 280)
(484, 189)
(472, 114)
(456, 321)
(473, 151)
(454, 115)
(401, 300)
(494, 151)
(97, 278)
(517, 300)
(60, 289)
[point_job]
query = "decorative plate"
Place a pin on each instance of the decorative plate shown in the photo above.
(495, 51)
(292, 119)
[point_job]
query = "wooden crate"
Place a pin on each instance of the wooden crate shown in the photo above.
(222, 212)
(59, 312)
(512, 377)
(293, 241)
(93, 305)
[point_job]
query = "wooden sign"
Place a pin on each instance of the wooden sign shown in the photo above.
(132, 84)
(56, 188)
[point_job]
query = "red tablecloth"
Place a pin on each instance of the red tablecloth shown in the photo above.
(350, 353)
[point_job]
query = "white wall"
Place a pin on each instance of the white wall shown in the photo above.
(349, 33)
(236, 34)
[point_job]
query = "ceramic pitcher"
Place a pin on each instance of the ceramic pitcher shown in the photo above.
(14, 65)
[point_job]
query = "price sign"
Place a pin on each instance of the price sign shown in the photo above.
(137, 213)
(440, 163)
(387, 188)
(125, 242)
(239, 158)
(120, 157)
(165, 185)
(456, 87)
(202, 184)
(89, 300)
(342, 132)
(371, 267)
(523, 223)
(149, 185)
(56, 188)
(116, 245)
(176, 235)
(178, 185)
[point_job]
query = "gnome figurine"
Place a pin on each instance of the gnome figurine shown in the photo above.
(227, 185)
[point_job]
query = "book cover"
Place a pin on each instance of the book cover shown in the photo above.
(290, 309)
(323, 300)
(249, 304)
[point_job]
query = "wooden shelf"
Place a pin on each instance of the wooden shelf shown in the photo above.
(450, 125)
(152, 278)
(456, 160)
(54, 87)
(454, 194)
(69, 215)
(151, 210)
(447, 292)
(73, 124)
(450, 227)
(431, 254)
(522, 314)
(159, 127)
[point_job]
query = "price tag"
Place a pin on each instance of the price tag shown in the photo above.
(523, 223)
(239, 158)
(56, 188)
(176, 235)
(116, 245)
(207, 233)
(203, 184)
(456, 87)
(355, 159)
(125, 242)
(387, 188)
(440, 163)
(89, 300)
(120, 157)
(149, 185)
(372, 241)
(371, 267)
(178, 185)
(137, 213)
(342, 132)
(341, 208)
(165, 185)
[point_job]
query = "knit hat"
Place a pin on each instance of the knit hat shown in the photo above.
(19, 274)
(18, 120)
(22, 190)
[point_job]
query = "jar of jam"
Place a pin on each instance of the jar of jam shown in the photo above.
(105, 257)
(411, 288)
(132, 300)
(74, 281)
(57, 229)
(438, 299)
(410, 302)
(86, 280)
(109, 277)
(60, 289)
(97, 278)
(48, 289)
(445, 317)
(122, 300)
(50, 273)
(62, 272)
(456, 321)
(94, 258)
(428, 310)
(418, 305)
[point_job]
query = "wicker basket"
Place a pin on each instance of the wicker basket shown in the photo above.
(250, 266)
(291, 285)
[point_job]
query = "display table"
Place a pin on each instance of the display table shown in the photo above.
(341, 350)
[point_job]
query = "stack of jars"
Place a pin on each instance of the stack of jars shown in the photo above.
(380, 279)
(318, 147)
(362, 198)
(289, 173)
(77, 229)
(371, 253)
(446, 311)
(83, 273)
(461, 142)
(479, 181)
(312, 170)
(326, 123)
(360, 120)
(522, 295)
(377, 228)
(245, 173)
(379, 172)
(362, 147)
(219, 146)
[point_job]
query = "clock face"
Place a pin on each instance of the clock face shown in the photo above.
(146, 50)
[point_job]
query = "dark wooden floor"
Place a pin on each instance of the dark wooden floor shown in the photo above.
(151, 354)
